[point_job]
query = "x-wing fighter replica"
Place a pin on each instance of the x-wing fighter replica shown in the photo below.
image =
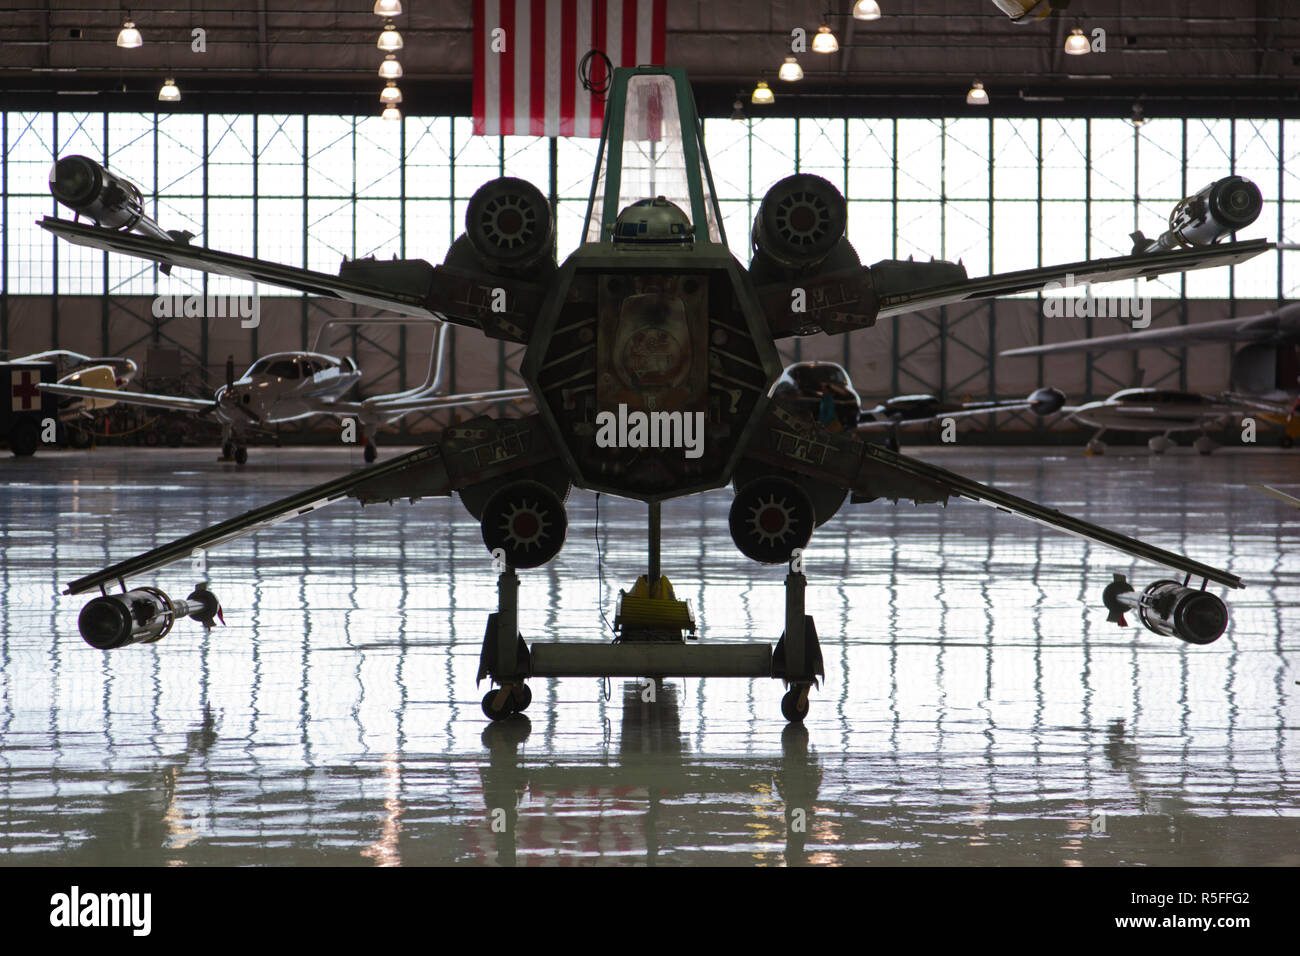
(286, 386)
(823, 392)
(1168, 411)
(1265, 369)
(651, 355)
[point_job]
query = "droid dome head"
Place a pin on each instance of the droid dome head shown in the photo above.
(654, 221)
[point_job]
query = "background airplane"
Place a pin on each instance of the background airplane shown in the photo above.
(286, 386)
(1266, 366)
(1168, 411)
(823, 392)
(652, 321)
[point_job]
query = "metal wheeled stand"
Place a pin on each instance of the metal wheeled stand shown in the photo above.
(651, 644)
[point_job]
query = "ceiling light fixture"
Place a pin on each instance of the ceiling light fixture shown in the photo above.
(866, 10)
(128, 38)
(790, 70)
(388, 8)
(390, 69)
(824, 41)
(1136, 116)
(390, 41)
(762, 95)
(170, 92)
(392, 113)
(977, 95)
(390, 95)
(738, 110)
(1076, 44)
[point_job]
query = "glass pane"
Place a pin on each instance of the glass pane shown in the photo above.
(1015, 158)
(966, 159)
(871, 159)
(330, 156)
(230, 155)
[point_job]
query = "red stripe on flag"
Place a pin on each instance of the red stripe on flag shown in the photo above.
(538, 64)
(658, 32)
(480, 77)
(568, 65)
(508, 68)
(598, 77)
(629, 33)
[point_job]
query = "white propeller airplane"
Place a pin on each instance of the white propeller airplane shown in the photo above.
(1168, 411)
(286, 386)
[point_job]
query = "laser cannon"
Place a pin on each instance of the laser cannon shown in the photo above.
(1218, 210)
(1168, 608)
(142, 616)
(90, 190)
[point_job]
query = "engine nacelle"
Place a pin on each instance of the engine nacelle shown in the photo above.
(1046, 401)
(800, 221)
(1218, 210)
(1169, 608)
(509, 224)
(142, 616)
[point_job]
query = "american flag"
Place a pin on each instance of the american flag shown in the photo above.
(531, 87)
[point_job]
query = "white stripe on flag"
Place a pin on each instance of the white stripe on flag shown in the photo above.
(491, 69)
(645, 18)
(614, 31)
(582, 99)
(554, 44)
(522, 51)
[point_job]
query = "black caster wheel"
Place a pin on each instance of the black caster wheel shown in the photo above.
(370, 453)
(490, 710)
(790, 709)
(522, 697)
(241, 455)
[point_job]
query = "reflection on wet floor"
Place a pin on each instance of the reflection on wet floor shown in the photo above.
(977, 707)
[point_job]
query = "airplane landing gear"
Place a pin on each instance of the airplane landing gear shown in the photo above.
(1205, 444)
(794, 705)
(507, 700)
(1159, 445)
(523, 526)
(1095, 445)
(370, 453)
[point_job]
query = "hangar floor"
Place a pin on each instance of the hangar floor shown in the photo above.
(977, 707)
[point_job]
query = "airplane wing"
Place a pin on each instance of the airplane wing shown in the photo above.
(402, 301)
(871, 471)
(940, 416)
(132, 398)
(417, 474)
(1254, 328)
(427, 403)
(1146, 265)
(1279, 495)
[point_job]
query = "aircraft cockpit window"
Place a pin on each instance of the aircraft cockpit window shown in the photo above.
(283, 368)
(310, 367)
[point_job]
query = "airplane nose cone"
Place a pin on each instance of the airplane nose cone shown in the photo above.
(1046, 401)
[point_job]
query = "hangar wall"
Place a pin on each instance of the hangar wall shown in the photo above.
(996, 193)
